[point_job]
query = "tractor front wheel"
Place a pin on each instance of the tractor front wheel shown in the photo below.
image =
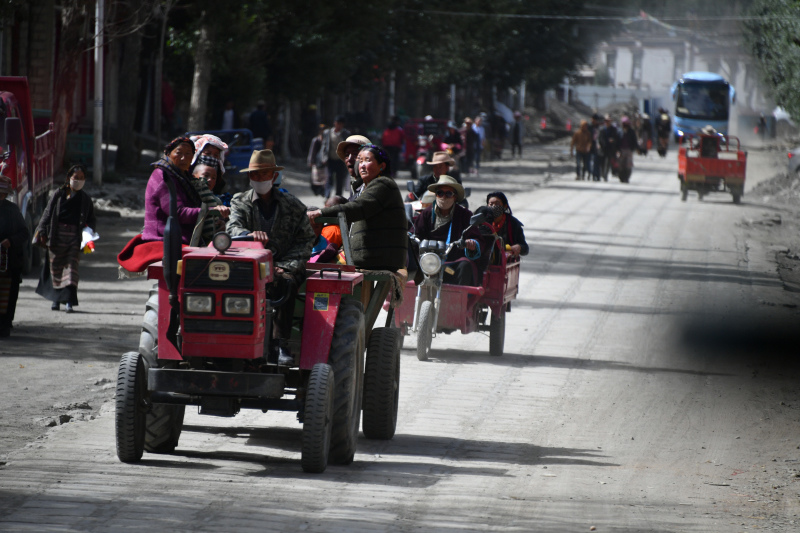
(381, 384)
(318, 419)
(164, 422)
(130, 408)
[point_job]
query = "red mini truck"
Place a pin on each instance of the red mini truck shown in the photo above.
(712, 163)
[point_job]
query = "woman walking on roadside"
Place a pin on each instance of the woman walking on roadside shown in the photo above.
(68, 212)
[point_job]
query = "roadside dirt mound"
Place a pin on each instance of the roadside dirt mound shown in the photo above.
(783, 188)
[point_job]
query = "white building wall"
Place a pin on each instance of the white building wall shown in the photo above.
(657, 66)
(623, 67)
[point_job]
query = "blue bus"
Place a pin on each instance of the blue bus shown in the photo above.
(701, 99)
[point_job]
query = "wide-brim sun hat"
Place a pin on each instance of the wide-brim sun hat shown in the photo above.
(441, 157)
(357, 140)
(448, 181)
(261, 160)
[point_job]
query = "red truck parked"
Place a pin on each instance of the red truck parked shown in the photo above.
(28, 157)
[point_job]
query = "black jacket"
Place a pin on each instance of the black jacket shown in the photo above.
(13, 228)
(48, 225)
(512, 234)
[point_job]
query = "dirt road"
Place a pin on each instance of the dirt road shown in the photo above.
(650, 383)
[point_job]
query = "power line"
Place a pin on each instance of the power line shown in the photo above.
(589, 17)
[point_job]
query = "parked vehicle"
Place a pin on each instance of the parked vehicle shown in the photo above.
(435, 307)
(423, 136)
(29, 162)
(712, 163)
(206, 341)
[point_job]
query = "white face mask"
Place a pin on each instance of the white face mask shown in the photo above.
(261, 187)
(76, 185)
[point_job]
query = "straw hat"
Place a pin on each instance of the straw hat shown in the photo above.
(262, 160)
(448, 181)
(357, 140)
(441, 157)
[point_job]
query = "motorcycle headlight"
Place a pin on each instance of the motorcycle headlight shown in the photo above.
(430, 263)
(198, 304)
(239, 305)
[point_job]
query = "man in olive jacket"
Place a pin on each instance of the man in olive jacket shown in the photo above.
(278, 220)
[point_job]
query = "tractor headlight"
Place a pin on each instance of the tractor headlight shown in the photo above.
(198, 304)
(239, 305)
(221, 242)
(430, 263)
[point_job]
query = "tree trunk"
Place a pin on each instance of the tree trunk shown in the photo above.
(74, 41)
(202, 76)
(129, 85)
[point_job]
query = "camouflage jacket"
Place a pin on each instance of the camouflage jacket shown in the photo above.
(291, 238)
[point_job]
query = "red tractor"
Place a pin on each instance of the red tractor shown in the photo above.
(206, 341)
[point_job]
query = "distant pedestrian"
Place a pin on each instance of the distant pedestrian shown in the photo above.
(319, 170)
(13, 237)
(393, 139)
(596, 154)
(259, 123)
(337, 171)
(608, 143)
(229, 119)
(69, 211)
(470, 138)
(517, 134)
(480, 140)
(581, 147)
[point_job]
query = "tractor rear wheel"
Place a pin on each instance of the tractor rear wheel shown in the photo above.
(497, 335)
(424, 330)
(317, 419)
(347, 361)
(381, 384)
(130, 408)
(164, 422)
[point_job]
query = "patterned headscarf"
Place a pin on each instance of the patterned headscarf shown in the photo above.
(200, 142)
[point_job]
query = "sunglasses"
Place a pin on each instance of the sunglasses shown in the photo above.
(445, 194)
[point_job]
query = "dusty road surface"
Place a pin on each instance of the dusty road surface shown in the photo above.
(650, 383)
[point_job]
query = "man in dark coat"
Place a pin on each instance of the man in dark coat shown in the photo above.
(445, 220)
(13, 236)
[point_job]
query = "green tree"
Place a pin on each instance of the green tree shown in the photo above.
(774, 39)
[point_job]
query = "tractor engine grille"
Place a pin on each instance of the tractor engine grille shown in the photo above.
(195, 275)
(230, 327)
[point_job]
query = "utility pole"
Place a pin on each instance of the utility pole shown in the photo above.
(453, 102)
(392, 81)
(97, 170)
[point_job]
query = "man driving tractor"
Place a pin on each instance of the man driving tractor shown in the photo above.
(278, 221)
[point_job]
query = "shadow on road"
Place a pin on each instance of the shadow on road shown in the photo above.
(451, 356)
(386, 472)
(573, 261)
